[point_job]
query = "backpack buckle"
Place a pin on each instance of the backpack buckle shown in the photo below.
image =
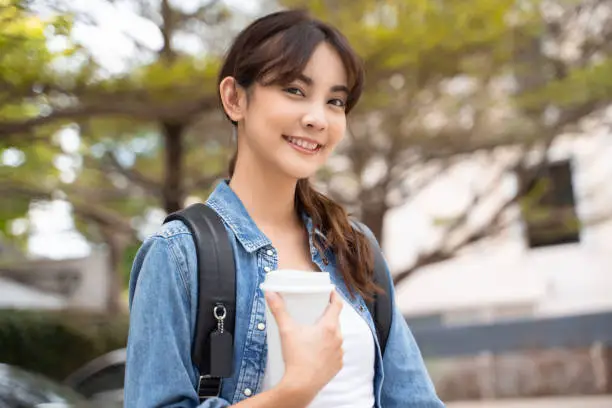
(208, 387)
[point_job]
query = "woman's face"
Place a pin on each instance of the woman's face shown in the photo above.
(293, 128)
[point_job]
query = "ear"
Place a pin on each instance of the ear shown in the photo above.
(233, 98)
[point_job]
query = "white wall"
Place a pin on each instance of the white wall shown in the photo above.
(14, 295)
(92, 292)
(501, 276)
(78, 283)
(560, 280)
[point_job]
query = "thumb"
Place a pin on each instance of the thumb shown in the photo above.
(332, 312)
(277, 307)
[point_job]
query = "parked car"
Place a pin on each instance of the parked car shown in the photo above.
(102, 378)
(22, 389)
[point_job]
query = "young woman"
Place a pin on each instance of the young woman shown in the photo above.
(287, 84)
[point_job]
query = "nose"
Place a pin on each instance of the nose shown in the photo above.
(315, 119)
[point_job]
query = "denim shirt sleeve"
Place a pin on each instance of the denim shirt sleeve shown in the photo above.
(159, 370)
(406, 382)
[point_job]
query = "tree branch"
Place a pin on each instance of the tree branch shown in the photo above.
(99, 195)
(204, 181)
(441, 253)
(103, 217)
(152, 187)
(87, 211)
(201, 12)
(178, 111)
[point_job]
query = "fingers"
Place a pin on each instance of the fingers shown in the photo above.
(336, 302)
(277, 307)
(332, 312)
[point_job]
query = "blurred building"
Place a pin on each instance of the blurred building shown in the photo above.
(80, 283)
(542, 265)
(509, 283)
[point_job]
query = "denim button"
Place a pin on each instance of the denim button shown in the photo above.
(270, 252)
(248, 392)
(267, 268)
(261, 326)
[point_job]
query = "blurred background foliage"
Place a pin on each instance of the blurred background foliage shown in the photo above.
(57, 343)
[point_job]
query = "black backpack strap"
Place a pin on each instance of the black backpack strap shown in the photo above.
(216, 296)
(380, 307)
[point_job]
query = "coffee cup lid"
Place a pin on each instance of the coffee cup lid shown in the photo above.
(294, 281)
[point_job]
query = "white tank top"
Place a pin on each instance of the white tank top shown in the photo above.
(353, 386)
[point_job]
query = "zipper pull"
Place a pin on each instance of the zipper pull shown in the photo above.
(221, 345)
(220, 313)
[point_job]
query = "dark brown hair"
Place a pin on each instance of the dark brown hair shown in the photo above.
(275, 50)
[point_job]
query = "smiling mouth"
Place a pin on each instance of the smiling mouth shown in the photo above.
(303, 145)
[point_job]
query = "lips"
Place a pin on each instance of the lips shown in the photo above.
(303, 144)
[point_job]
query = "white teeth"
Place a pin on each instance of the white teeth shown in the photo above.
(302, 143)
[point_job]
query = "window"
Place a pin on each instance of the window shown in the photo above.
(548, 206)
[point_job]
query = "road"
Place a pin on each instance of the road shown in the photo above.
(567, 402)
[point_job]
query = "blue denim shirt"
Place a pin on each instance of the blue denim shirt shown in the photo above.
(163, 299)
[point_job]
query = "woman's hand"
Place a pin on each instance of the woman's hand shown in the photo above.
(312, 353)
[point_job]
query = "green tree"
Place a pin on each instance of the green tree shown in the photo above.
(25, 62)
(144, 137)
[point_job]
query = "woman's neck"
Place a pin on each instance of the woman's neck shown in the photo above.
(268, 196)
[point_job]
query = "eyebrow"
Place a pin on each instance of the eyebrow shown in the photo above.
(336, 88)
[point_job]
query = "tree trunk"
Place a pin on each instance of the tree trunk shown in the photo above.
(173, 190)
(116, 243)
(173, 194)
(167, 28)
(422, 261)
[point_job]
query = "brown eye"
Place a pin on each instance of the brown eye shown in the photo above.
(337, 102)
(294, 91)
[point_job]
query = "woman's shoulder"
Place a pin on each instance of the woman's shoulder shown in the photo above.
(172, 236)
(168, 252)
(175, 238)
(171, 230)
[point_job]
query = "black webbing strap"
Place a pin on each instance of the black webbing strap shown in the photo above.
(216, 286)
(380, 307)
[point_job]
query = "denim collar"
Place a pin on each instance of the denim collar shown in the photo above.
(232, 211)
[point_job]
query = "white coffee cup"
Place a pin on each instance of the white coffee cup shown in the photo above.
(306, 295)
